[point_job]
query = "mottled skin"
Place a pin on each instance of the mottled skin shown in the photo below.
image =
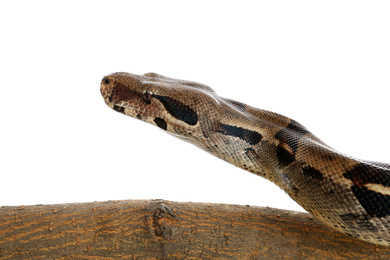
(348, 194)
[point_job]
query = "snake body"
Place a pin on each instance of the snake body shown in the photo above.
(347, 194)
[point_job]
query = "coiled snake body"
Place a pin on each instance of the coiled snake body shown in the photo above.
(347, 194)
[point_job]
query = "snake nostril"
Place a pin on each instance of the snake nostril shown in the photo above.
(106, 81)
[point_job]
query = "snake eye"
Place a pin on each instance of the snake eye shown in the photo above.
(147, 97)
(106, 81)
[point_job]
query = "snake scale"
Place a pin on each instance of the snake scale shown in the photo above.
(347, 194)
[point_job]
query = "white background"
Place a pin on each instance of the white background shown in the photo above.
(324, 63)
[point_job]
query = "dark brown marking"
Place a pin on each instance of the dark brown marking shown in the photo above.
(289, 136)
(161, 123)
(375, 203)
(147, 97)
(178, 110)
(284, 156)
(312, 172)
(251, 137)
(365, 173)
(297, 127)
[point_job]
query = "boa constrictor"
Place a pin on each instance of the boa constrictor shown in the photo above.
(347, 194)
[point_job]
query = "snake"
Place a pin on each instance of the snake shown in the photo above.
(347, 194)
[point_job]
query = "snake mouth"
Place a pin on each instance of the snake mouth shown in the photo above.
(127, 108)
(116, 107)
(119, 109)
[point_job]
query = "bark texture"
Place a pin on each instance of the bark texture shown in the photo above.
(168, 230)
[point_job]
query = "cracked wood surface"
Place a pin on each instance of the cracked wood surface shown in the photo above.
(158, 229)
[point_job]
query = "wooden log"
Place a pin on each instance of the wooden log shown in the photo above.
(160, 229)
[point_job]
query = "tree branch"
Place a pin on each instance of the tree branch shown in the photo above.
(169, 230)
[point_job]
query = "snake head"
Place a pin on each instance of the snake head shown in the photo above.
(171, 104)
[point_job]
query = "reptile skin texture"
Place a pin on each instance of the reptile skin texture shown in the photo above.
(345, 193)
